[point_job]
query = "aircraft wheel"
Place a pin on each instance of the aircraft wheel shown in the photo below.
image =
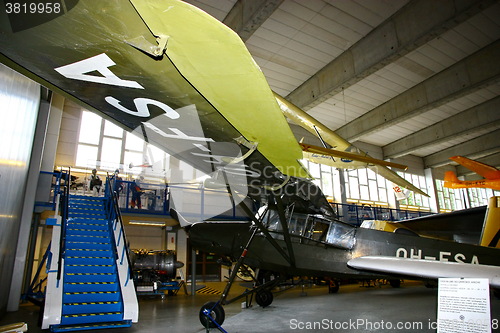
(264, 298)
(333, 287)
(395, 283)
(215, 310)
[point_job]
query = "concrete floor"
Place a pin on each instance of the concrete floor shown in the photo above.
(353, 309)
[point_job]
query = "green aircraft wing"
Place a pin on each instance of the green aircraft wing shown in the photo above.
(165, 70)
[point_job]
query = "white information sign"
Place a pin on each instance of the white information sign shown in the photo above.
(464, 306)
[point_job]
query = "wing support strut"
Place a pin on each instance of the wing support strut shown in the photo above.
(286, 232)
(266, 233)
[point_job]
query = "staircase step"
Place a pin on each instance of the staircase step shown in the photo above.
(87, 260)
(87, 238)
(95, 296)
(90, 219)
(90, 286)
(88, 252)
(89, 226)
(91, 307)
(91, 318)
(88, 245)
(87, 215)
(89, 268)
(86, 205)
(86, 221)
(86, 197)
(92, 209)
(90, 277)
(92, 232)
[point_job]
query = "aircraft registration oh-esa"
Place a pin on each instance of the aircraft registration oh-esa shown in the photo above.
(186, 83)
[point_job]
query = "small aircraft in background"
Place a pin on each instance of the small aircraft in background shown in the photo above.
(339, 153)
(491, 175)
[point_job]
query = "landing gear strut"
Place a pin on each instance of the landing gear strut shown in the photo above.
(212, 313)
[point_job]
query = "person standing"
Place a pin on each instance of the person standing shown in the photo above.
(95, 183)
(136, 190)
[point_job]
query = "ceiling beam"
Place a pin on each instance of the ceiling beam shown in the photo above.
(412, 26)
(477, 118)
(247, 16)
(476, 148)
(477, 71)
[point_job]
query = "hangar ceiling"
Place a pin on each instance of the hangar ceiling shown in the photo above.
(417, 77)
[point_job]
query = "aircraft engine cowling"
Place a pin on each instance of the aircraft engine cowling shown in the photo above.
(164, 261)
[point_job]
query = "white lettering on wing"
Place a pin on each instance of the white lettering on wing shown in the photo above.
(98, 63)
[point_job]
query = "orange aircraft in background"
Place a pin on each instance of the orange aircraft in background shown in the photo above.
(491, 175)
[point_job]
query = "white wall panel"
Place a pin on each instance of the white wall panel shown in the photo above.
(19, 102)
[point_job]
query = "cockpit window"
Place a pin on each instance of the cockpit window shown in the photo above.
(312, 227)
(271, 220)
(320, 229)
(297, 225)
(341, 235)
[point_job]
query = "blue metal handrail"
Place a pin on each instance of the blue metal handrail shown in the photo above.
(64, 206)
(114, 214)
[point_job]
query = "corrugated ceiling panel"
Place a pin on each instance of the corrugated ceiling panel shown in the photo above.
(218, 9)
(305, 36)
(371, 12)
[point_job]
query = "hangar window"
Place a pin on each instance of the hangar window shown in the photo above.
(415, 200)
(480, 196)
(323, 177)
(106, 146)
(449, 199)
(364, 184)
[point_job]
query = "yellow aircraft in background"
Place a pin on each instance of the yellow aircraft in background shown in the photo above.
(342, 153)
(491, 175)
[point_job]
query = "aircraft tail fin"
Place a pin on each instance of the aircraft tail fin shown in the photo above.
(449, 178)
(485, 170)
(400, 194)
(490, 235)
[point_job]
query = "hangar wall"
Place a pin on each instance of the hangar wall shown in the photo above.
(20, 99)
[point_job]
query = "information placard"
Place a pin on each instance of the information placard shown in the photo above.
(464, 306)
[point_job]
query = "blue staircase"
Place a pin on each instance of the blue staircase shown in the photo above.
(91, 292)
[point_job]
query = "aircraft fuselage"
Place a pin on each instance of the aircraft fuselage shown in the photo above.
(323, 258)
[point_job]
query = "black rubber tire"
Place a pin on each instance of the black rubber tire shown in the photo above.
(264, 297)
(333, 287)
(396, 283)
(217, 313)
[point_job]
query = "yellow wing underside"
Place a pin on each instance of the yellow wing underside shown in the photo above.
(217, 63)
